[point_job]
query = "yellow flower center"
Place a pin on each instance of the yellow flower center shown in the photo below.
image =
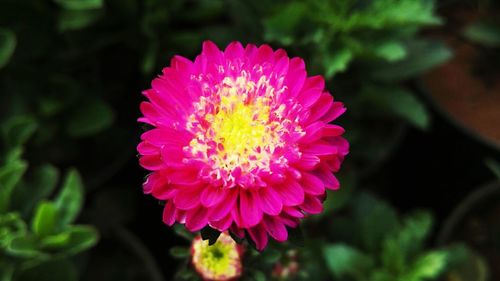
(240, 125)
(220, 261)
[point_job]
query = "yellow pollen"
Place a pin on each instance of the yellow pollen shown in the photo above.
(240, 125)
(220, 261)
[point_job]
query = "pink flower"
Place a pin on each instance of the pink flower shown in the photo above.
(218, 262)
(241, 141)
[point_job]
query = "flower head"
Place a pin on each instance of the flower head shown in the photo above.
(220, 261)
(242, 140)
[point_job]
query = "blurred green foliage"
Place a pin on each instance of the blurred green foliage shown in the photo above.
(37, 235)
(380, 246)
(370, 241)
(71, 72)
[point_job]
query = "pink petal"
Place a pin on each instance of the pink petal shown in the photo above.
(293, 212)
(250, 210)
(281, 66)
(182, 65)
(328, 178)
(183, 176)
(196, 219)
(259, 236)
(220, 210)
(264, 54)
(151, 181)
(169, 213)
(210, 50)
(296, 76)
(312, 184)
(211, 196)
(167, 136)
(275, 228)
(333, 112)
(164, 192)
(187, 198)
(322, 105)
(331, 130)
(152, 162)
(313, 132)
(223, 224)
(151, 114)
(289, 221)
(172, 156)
(270, 201)
(291, 193)
(311, 91)
(320, 148)
(236, 215)
(161, 105)
(177, 98)
(307, 162)
(146, 148)
(234, 51)
(312, 205)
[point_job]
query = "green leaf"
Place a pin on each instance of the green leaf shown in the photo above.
(484, 33)
(210, 234)
(383, 275)
(18, 129)
(69, 201)
(270, 256)
(344, 261)
(428, 266)
(401, 246)
(179, 252)
(397, 101)
(379, 15)
(79, 4)
(90, 117)
(82, 237)
(45, 219)
(375, 219)
(56, 241)
(77, 19)
(11, 226)
(258, 275)
(7, 272)
(422, 56)
(186, 274)
(39, 187)
(59, 269)
(182, 232)
(7, 46)
(468, 266)
(391, 51)
(10, 174)
(282, 25)
(25, 247)
(337, 62)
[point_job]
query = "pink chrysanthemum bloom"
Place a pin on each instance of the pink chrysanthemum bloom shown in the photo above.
(218, 262)
(241, 141)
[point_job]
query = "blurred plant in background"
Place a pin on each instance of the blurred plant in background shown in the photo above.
(37, 235)
(71, 73)
(371, 243)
